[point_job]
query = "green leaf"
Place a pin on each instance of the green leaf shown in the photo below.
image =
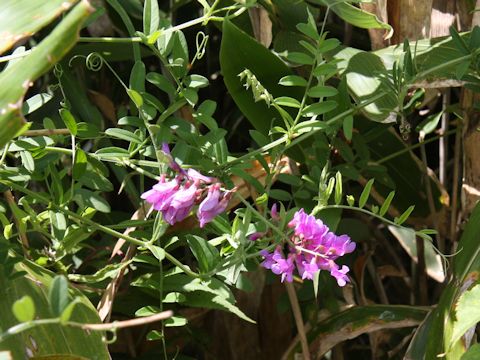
(348, 127)
(69, 121)
(322, 91)
(175, 321)
(293, 80)
(358, 320)
(24, 309)
(429, 125)
(15, 78)
(27, 161)
(137, 82)
(364, 79)
(300, 58)
(135, 97)
(309, 125)
(59, 224)
(27, 18)
(157, 251)
(402, 218)
(123, 135)
(327, 45)
(88, 198)
(309, 28)
(50, 339)
(107, 272)
(433, 262)
(386, 203)
(287, 101)
(473, 353)
(338, 188)
(58, 295)
(281, 195)
(80, 164)
(151, 16)
(467, 313)
(365, 193)
(319, 108)
(326, 70)
(191, 96)
(161, 82)
(239, 52)
(35, 103)
(290, 179)
(207, 255)
(196, 81)
(112, 152)
(458, 41)
(466, 266)
(357, 16)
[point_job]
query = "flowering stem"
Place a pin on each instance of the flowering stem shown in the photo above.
(263, 219)
(297, 314)
(346, 207)
(97, 226)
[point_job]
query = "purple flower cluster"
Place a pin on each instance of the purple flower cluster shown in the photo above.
(176, 198)
(313, 247)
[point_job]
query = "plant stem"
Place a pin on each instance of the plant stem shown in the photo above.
(407, 149)
(297, 314)
(97, 226)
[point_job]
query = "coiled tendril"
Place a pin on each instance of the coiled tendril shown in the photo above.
(94, 61)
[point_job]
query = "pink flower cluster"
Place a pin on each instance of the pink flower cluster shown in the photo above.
(313, 247)
(176, 198)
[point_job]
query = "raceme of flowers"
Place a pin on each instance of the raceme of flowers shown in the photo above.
(312, 247)
(175, 198)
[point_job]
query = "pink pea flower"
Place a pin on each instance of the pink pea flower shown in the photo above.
(278, 264)
(274, 212)
(196, 176)
(176, 198)
(161, 194)
(313, 247)
(181, 204)
(172, 164)
(307, 269)
(340, 274)
(213, 204)
(256, 235)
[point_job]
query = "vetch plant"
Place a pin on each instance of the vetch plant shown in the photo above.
(176, 198)
(311, 248)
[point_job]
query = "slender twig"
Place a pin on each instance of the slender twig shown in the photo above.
(443, 141)
(127, 323)
(421, 271)
(431, 203)
(455, 181)
(17, 329)
(105, 229)
(15, 56)
(377, 282)
(297, 314)
(46, 132)
(21, 231)
(410, 148)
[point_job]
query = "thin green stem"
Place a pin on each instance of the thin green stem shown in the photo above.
(4, 154)
(410, 148)
(95, 225)
(117, 40)
(365, 211)
(15, 56)
(255, 152)
(17, 329)
(129, 25)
